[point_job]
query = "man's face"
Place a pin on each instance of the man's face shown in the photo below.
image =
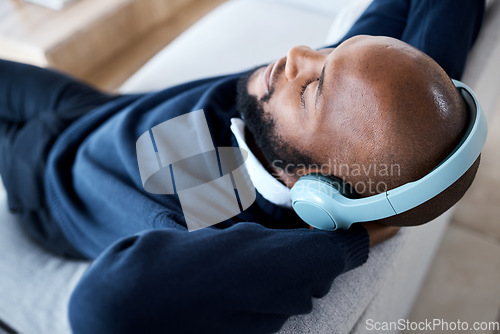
(372, 101)
(332, 104)
(284, 109)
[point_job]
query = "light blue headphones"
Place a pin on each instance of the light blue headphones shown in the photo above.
(327, 203)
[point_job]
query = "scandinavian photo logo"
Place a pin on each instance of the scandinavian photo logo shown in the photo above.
(178, 157)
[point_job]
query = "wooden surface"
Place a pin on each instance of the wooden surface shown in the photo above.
(84, 35)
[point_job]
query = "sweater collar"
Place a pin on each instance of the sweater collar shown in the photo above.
(269, 187)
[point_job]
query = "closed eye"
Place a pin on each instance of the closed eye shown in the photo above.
(302, 93)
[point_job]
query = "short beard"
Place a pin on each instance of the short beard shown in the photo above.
(278, 153)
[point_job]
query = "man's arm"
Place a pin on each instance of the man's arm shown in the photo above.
(244, 279)
(444, 29)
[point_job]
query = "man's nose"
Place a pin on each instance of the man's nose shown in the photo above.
(303, 60)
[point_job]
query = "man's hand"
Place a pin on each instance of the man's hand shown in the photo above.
(379, 233)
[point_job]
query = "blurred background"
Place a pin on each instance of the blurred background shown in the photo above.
(105, 42)
(101, 42)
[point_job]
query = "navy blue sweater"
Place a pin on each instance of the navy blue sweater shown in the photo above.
(249, 273)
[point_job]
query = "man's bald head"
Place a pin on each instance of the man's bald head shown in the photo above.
(371, 102)
(420, 118)
(398, 107)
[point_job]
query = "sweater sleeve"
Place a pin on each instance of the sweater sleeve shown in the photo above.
(243, 279)
(444, 29)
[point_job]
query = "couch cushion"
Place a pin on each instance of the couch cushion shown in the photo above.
(323, 7)
(238, 35)
(345, 18)
(482, 72)
(35, 285)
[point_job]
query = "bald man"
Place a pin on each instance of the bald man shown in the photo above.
(72, 172)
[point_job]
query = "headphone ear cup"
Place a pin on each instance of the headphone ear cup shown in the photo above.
(315, 197)
(344, 188)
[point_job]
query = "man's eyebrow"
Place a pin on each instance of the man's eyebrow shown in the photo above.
(319, 91)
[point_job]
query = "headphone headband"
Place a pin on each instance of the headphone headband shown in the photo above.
(326, 208)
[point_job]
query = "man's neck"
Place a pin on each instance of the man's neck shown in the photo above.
(267, 184)
(278, 174)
